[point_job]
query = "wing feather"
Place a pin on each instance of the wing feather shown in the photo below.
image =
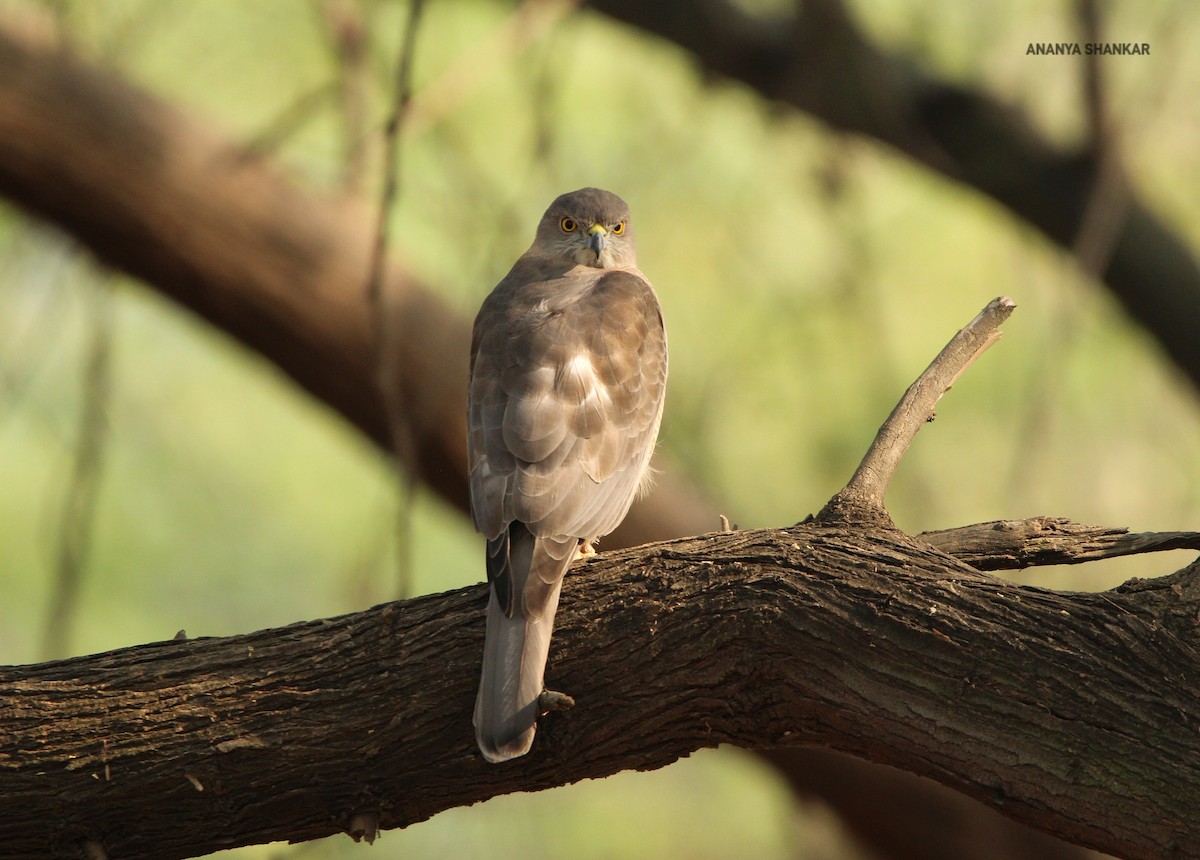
(567, 382)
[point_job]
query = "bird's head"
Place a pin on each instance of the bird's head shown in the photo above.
(590, 227)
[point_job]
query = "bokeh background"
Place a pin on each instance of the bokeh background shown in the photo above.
(806, 276)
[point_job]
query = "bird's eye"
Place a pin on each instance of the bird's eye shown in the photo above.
(568, 225)
(618, 228)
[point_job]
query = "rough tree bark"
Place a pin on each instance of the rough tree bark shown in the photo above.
(1074, 713)
(159, 195)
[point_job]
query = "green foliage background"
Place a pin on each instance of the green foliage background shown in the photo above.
(806, 278)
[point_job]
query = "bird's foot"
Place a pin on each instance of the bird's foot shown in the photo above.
(550, 700)
(585, 549)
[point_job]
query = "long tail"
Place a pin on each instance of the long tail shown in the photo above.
(518, 642)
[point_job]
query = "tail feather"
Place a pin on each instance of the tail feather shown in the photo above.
(515, 649)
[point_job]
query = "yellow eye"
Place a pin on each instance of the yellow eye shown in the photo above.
(618, 228)
(568, 225)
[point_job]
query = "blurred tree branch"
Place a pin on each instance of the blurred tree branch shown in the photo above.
(79, 503)
(389, 370)
(158, 194)
(816, 59)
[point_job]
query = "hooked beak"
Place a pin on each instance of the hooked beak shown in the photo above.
(597, 239)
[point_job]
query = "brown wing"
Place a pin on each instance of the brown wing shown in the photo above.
(568, 374)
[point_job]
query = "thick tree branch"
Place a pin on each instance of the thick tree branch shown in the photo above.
(816, 59)
(1048, 706)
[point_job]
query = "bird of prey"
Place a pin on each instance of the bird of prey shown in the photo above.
(568, 373)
